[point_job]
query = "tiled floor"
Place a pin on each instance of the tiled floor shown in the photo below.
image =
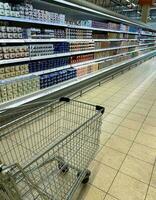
(125, 165)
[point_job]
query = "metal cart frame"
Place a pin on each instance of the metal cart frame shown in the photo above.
(45, 154)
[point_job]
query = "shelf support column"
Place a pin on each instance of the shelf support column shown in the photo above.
(145, 4)
(145, 13)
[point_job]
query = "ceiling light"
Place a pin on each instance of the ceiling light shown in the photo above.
(128, 1)
(134, 5)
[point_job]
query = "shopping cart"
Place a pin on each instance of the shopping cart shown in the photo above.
(45, 154)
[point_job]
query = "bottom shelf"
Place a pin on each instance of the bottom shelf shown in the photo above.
(70, 83)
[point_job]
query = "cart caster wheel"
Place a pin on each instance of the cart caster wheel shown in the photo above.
(86, 178)
(63, 167)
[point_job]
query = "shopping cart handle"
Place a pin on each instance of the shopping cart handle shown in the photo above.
(100, 108)
(66, 99)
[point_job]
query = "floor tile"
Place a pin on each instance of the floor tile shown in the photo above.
(102, 176)
(127, 188)
(140, 111)
(143, 153)
(149, 129)
(109, 197)
(142, 105)
(146, 139)
(135, 117)
(108, 108)
(146, 102)
(151, 195)
(138, 106)
(110, 157)
(108, 126)
(104, 136)
(153, 180)
(131, 124)
(120, 112)
(125, 106)
(111, 103)
(150, 121)
(89, 192)
(113, 119)
(119, 144)
(152, 114)
(137, 169)
(126, 132)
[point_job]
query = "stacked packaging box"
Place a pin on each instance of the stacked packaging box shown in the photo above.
(102, 25)
(11, 89)
(26, 10)
(11, 52)
(81, 71)
(100, 35)
(41, 49)
(12, 71)
(40, 33)
(102, 45)
(81, 58)
(124, 27)
(113, 26)
(48, 64)
(81, 46)
(78, 34)
(115, 44)
(10, 32)
(133, 29)
(50, 79)
(94, 67)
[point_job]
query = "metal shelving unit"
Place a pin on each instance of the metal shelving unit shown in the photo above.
(67, 85)
(80, 64)
(51, 40)
(19, 60)
(23, 20)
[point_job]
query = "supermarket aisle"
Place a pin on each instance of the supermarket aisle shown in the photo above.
(125, 167)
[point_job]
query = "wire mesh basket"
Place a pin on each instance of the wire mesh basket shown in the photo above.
(45, 154)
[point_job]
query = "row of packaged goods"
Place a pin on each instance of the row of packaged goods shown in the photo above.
(148, 41)
(22, 51)
(103, 54)
(35, 66)
(16, 88)
(109, 35)
(11, 89)
(41, 33)
(145, 32)
(17, 32)
(26, 10)
(113, 26)
(41, 65)
(145, 37)
(107, 44)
